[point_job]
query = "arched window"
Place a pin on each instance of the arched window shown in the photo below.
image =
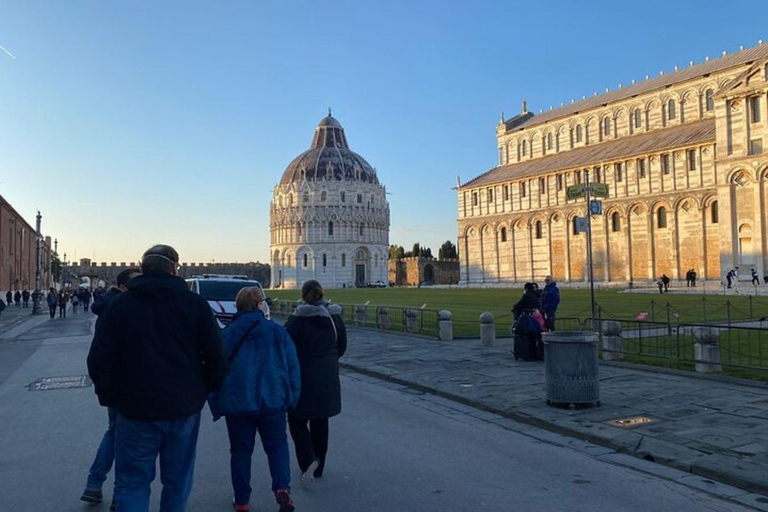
(671, 109)
(549, 141)
(325, 260)
(538, 230)
(607, 126)
(575, 226)
(306, 197)
(305, 260)
(289, 260)
(330, 228)
(616, 222)
(715, 213)
(578, 133)
(361, 230)
(343, 197)
(503, 234)
(525, 147)
(290, 199)
(298, 230)
(343, 260)
(661, 218)
(710, 101)
(638, 114)
(323, 196)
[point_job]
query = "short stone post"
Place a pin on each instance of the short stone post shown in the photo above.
(706, 350)
(411, 320)
(383, 314)
(360, 316)
(487, 329)
(283, 308)
(293, 307)
(445, 325)
(612, 341)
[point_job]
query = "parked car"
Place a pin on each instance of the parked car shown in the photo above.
(377, 284)
(220, 292)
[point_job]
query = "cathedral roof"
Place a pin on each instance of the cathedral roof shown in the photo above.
(329, 157)
(698, 132)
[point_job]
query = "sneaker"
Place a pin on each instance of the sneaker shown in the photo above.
(240, 508)
(113, 505)
(283, 498)
(90, 496)
(308, 476)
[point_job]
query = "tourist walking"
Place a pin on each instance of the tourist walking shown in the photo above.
(320, 335)
(550, 300)
(8, 297)
(75, 302)
(755, 278)
(729, 277)
(262, 384)
(665, 279)
(660, 284)
(688, 279)
(17, 298)
(25, 299)
(693, 278)
(63, 299)
(85, 298)
(155, 357)
(105, 455)
(53, 300)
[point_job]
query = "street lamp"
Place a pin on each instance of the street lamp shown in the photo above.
(36, 295)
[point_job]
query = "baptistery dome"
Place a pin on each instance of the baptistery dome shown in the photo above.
(329, 217)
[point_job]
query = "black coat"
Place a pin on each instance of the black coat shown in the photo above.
(157, 351)
(531, 300)
(319, 349)
(103, 299)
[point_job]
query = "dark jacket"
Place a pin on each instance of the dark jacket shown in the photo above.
(103, 299)
(157, 351)
(263, 376)
(531, 300)
(319, 348)
(550, 298)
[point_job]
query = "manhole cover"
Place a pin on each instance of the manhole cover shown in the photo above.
(49, 383)
(632, 422)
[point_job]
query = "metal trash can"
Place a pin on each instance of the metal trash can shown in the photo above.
(571, 367)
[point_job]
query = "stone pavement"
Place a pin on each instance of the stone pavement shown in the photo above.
(715, 427)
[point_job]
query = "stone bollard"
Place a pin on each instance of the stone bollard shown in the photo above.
(412, 320)
(383, 314)
(445, 325)
(360, 316)
(487, 329)
(283, 308)
(612, 342)
(293, 307)
(706, 350)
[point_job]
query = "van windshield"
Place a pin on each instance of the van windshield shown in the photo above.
(223, 290)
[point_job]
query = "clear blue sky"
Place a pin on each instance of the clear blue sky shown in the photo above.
(133, 123)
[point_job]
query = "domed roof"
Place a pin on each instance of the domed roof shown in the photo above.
(329, 158)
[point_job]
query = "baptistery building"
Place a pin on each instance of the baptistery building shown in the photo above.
(329, 217)
(680, 156)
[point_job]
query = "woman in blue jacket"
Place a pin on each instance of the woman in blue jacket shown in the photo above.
(262, 384)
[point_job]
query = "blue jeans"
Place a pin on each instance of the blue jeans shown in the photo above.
(137, 445)
(242, 439)
(104, 456)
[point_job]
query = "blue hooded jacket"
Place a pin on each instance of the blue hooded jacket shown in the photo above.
(264, 376)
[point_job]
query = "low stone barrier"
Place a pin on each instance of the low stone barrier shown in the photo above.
(487, 329)
(612, 342)
(445, 325)
(706, 350)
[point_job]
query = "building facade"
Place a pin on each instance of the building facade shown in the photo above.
(682, 156)
(18, 252)
(416, 270)
(329, 217)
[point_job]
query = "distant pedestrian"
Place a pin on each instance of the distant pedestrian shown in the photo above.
(105, 455)
(75, 302)
(25, 298)
(262, 384)
(665, 279)
(693, 278)
(85, 299)
(729, 277)
(8, 297)
(765, 278)
(688, 279)
(320, 335)
(736, 278)
(17, 298)
(755, 278)
(550, 300)
(63, 299)
(155, 356)
(660, 284)
(53, 301)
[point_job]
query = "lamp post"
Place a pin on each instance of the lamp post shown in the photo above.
(36, 295)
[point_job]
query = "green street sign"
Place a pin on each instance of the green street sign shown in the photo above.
(575, 191)
(598, 189)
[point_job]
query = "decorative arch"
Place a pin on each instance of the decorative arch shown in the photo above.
(740, 175)
(638, 209)
(681, 201)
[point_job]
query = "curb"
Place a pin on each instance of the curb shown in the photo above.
(649, 451)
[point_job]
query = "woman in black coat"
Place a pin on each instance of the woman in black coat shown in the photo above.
(318, 331)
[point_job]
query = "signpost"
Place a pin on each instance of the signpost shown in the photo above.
(587, 190)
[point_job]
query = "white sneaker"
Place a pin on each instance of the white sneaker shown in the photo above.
(308, 477)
